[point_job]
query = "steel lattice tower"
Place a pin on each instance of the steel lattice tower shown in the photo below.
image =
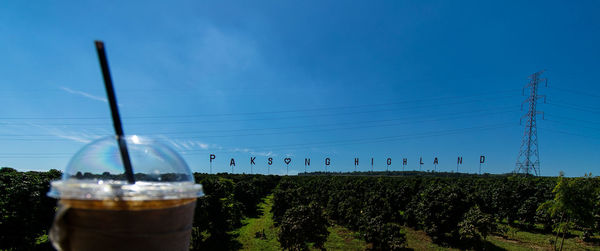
(528, 161)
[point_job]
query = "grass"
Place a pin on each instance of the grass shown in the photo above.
(418, 240)
(247, 233)
(522, 240)
(517, 240)
(340, 238)
(41, 239)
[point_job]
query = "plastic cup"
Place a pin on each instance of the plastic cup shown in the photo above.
(99, 210)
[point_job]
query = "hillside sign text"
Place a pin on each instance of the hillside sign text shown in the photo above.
(327, 161)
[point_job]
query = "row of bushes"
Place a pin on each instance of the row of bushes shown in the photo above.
(459, 211)
(228, 198)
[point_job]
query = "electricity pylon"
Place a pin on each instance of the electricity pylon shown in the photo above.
(528, 161)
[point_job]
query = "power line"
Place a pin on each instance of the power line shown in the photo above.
(496, 109)
(282, 111)
(169, 122)
(566, 102)
(326, 143)
(486, 111)
(388, 138)
(574, 107)
(468, 130)
(28, 138)
(572, 119)
(570, 123)
(346, 128)
(576, 92)
(570, 133)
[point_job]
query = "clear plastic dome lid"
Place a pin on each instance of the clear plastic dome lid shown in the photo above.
(97, 172)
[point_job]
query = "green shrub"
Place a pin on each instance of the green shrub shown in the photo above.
(301, 225)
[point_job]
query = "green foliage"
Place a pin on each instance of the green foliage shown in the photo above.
(301, 225)
(517, 199)
(451, 210)
(384, 236)
(596, 211)
(284, 197)
(441, 206)
(228, 198)
(26, 212)
(573, 204)
(217, 210)
(436, 205)
(248, 195)
(574, 198)
(476, 225)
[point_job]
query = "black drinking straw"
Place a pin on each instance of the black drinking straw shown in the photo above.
(114, 109)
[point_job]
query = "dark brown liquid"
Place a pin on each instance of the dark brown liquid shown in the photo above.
(148, 229)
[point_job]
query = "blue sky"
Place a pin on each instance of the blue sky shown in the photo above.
(310, 79)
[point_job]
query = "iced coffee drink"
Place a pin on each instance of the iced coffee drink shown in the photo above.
(99, 210)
